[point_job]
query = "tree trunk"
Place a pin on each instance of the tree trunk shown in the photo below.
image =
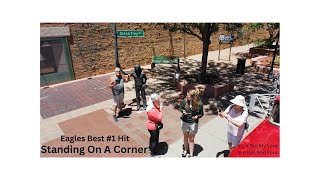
(171, 50)
(205, 49)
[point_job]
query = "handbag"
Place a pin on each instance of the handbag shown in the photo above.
(246, 126)
(183, 117)
(159, 125)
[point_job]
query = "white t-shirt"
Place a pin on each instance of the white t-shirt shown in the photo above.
(239, 117)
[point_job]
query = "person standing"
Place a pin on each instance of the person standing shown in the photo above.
(236, 115)
(116, 84)
(154, 112)
(140, 80)
(192, 110)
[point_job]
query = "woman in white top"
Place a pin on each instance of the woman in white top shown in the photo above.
(236, 114)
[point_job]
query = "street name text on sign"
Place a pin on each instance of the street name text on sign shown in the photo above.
(226, 39)
(130, 33)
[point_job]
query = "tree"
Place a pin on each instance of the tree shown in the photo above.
(273, 30)
(234, 29)
(202, 31)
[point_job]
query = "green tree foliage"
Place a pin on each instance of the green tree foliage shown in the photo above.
(273, 30)
(234, 29)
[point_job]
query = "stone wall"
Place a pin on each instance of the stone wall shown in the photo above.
(93, 53)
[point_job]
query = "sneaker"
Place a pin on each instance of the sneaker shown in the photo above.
(115, 118)
(141, 109)
(184, 153)
(189, 156)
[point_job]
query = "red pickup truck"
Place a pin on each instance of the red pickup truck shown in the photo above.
(264, 140)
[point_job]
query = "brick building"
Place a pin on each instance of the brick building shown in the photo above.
(71, 51)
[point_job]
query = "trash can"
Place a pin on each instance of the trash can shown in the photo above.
(241, 65)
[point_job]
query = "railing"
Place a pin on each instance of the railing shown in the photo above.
(273, 94)
(270, 100)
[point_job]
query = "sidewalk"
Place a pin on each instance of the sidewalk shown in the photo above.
(82, 108)
(211, 139)
(224, 55)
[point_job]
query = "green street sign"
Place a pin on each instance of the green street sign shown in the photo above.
(130, 33)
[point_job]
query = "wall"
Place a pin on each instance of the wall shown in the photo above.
(93, 53)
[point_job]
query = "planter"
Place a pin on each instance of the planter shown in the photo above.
(207, 90)
(262, 51)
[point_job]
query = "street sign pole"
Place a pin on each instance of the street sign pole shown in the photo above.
(116, 44)
(225, 39)
(123, 33)
(230, 50)
(184, 44)
(219, 51)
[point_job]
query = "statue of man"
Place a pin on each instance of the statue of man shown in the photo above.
(140, 80)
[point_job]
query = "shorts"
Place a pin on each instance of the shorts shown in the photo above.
(234, 140)
(118, 99)
(189, 127)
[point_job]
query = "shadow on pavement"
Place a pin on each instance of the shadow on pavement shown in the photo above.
(162, 148)
(125, 113)
(245, 84)
(197, 149)
(224, 152)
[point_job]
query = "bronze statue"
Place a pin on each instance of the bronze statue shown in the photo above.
(140, 80)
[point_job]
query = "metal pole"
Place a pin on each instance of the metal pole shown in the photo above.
(184, 44)
(219, 51)
(230, 50)
(153, 49)
(116, 44)
(274, 57)
(116, 48)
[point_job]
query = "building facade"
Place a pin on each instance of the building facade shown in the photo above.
(71, 51)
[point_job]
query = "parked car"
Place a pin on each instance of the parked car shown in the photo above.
(264, 140)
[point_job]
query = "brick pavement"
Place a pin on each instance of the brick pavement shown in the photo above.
(71, 96)
(97, 123)
(132, 124)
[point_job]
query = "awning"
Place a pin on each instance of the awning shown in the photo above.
(46, 32)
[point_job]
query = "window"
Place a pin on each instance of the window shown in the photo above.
(47, 58)
(55, 62)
